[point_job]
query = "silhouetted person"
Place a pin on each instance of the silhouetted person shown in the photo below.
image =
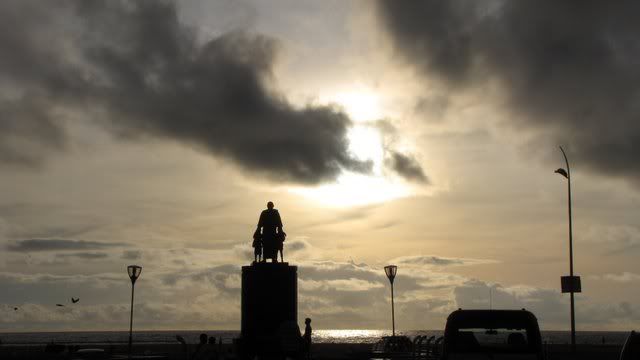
(271, 226)
(212, 352)
(200, 347)
(306, 338)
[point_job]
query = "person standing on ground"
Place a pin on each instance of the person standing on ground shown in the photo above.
(200, 349)
(306, 338)
(212, 351)
(270, 224)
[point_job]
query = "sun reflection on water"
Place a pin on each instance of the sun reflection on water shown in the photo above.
(349, 336)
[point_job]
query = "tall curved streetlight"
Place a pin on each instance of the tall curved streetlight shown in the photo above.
(391, 271)
(134, 273)
(570, 284)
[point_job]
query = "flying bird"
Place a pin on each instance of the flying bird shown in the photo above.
(74, 300)
(59, 305)
(15, 308)
(562, 172)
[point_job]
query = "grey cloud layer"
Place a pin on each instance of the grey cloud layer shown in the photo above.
(58, 244)
(334, 294)
(422, 260)
(549, 306)
(407, 167)
(132, 67)
(568, 68)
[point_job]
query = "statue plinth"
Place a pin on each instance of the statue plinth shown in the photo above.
(269, 300)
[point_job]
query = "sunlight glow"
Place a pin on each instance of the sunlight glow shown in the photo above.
(365, 143)
(360, 106)
(349, 335)
(353, 190)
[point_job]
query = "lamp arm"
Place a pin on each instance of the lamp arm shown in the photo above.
(566, 162)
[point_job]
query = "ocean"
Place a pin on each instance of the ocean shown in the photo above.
(319, 336)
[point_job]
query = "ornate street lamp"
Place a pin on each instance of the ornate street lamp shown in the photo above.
(570, 284)
(134, 273)
(391, 271)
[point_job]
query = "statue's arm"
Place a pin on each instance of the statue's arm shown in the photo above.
(260, 222)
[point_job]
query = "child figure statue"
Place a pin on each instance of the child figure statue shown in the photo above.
(257, 247)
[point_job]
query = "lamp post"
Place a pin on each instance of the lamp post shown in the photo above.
(391, 271)
(134, 272)
(571, 283)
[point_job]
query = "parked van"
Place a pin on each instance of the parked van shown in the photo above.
(492, 334)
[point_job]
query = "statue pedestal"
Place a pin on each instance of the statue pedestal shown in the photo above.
(269, 300)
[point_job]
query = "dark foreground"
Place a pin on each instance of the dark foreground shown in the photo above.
(319, 352)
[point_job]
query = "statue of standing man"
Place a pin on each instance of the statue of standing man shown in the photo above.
(270, 231)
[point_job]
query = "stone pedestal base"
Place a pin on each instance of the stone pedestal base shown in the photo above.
(269, 302)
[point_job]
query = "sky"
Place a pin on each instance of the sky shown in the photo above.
(420, 134)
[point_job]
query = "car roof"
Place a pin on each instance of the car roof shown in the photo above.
(511, 319)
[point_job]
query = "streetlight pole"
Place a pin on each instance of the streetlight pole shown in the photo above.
(134, 272)
(572, 284)
(391, 271)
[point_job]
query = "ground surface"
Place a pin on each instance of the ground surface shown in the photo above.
(319, 352)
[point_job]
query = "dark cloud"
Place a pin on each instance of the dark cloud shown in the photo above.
(26, 132)
(432, 108)
(406, 166)
(132, 254)
(297, 245)
(386, 225)
(84, 255)
(429, 260)
(569, 69)
(343, 216)
(135, 69)
(58, 244)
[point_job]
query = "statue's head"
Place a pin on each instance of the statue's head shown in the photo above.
(270, 205)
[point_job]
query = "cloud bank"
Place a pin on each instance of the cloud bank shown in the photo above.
(335, 294)
(58, 244)
(568, 70)
(136, 70)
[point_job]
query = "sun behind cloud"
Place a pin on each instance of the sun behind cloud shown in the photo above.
(365, 143)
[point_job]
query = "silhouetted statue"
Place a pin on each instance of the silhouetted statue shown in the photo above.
(272, 234)
(257, 246)
(280, 237)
